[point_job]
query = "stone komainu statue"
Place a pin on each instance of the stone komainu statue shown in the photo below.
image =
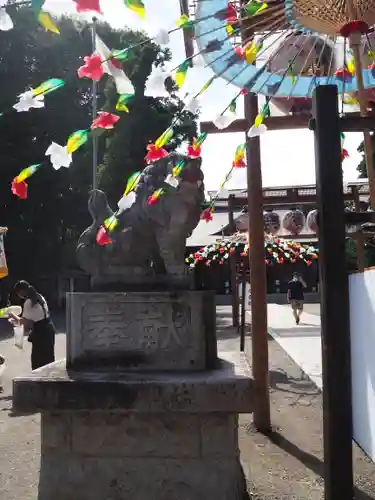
(148, 245)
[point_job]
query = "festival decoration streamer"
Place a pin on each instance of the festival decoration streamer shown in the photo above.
(132, 183)
(155, 197)
(254, 7)
(48, 86)
(19, 185)
(43, 17)
(123, 101)
(259, 128)
(184, 22)
(27, 172)
(239, 157)
(136, 6)
(181, 73)
(195, 148)
(76, 140)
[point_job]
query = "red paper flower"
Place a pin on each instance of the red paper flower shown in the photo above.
(92, 68)
(194, 151)
(267, 262)
(231, 15)
(102, 237)
(243, 92)
(105, 120)
(344, 154)
(207, 214)
(309, 262)
(154, 153)
(343, 74)
(88, 6)
(19, 189)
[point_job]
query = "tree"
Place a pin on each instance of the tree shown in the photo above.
(361, 168)
(42, 227)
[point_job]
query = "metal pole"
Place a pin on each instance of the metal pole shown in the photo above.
(94, 114)
(232, 264)
(337, 411)
(258, 284)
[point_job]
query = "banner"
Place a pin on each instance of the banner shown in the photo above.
(3, 260)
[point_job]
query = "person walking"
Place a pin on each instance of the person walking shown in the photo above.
(37, 321)
(296, 295)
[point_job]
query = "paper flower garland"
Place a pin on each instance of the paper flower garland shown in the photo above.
(19, 186)
(276, 251)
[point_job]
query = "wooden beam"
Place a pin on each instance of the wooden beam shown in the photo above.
(272, 123)
(351, 122)
(258, 282)
(335, 324)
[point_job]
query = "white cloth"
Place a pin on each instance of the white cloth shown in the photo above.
(35, 313)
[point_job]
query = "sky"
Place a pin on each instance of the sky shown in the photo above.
(287, 156)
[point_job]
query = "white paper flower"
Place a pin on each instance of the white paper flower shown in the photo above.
(126, 201)
(6, 22)
(155, 84)
(223, 121)
(171, 180)
(257, 131)
(27, 100)
(223, 193)
(192, 104)
(122, 82)
(59, 156)
(162, 37)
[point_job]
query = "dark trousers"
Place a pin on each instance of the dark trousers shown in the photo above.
(42, 338)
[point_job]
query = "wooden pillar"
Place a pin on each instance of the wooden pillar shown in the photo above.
(232, 264)
(337, 411)
(359, 237)
(258, 283)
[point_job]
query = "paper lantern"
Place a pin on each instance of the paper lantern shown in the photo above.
(293, 221)
(271, 222)
(312, 221)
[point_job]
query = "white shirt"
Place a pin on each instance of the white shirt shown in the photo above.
(36, 312)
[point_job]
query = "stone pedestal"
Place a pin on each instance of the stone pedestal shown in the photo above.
(115, 434)
(141, 331)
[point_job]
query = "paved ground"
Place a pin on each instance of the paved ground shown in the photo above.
(285, 465)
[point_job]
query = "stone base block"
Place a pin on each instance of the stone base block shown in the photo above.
(108, 478)
(132, 436)
(117, 456)
(141, 331)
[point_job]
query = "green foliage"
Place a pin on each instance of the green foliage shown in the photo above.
(361, 168)
(43, 229)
